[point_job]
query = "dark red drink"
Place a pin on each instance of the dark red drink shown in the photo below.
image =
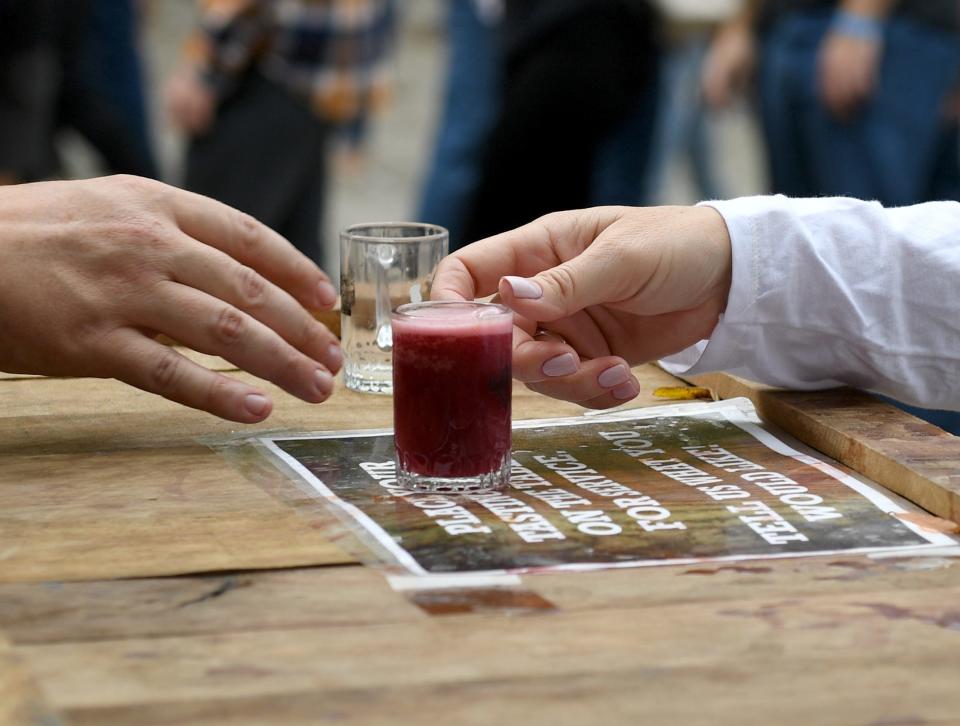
(451, 393)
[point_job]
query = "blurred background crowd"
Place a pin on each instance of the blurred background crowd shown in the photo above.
(480, 115)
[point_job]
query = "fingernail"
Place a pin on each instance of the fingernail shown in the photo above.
(255, 404)
(326, 294)
(624, 391)
(335, 357)
(561, 365)
(613, 376)
(323, 381)
(523, 288)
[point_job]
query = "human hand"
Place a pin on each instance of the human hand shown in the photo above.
(190, 102)
(597, 290)
(848, 68)
(94, 270)
(729, 64)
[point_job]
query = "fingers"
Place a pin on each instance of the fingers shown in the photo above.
(549, 365)
(150, 366)
(212, 326)
(475, 270)
(541, 357)
(599, 383)
(254, 244)
(560, 291)
(219, 275)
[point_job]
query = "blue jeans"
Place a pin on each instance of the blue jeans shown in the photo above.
(897, 149)
(681, 128)
(471, 102)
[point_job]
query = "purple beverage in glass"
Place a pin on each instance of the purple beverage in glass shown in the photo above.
(451, 395)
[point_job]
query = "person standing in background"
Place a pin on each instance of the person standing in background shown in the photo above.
(71, 64)
(685, 125)
(470, 102)
(263, 85)
(853, 94)
(574, 72)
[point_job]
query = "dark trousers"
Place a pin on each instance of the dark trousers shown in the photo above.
(264, 155)
(898, 149)
(562, 99)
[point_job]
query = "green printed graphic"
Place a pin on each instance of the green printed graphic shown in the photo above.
(608, 493)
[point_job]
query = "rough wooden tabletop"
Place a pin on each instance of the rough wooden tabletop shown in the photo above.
(145, 581)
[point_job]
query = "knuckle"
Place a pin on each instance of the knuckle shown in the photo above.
(253, 288)
(291, 362)
(143, 231)
(136, 186)
(165, 371)
(564, 282)
(288, 365)
(549, 219)
(229, 325)
(249, 233)
(217, 392)
(310, 330)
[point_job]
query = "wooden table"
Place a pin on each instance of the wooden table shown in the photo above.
(145, 581)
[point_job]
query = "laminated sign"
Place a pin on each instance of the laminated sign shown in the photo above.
(677, 484)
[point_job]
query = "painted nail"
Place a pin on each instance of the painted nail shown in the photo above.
(523, 288)
(624, 391)
(561, 365)
(326, 294)
(334, 357)
(613, 376)
(255, 404)
(323, 381)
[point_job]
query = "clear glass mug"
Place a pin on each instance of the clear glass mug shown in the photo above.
(382, 266)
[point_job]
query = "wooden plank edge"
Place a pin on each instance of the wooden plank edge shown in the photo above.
(933, 485)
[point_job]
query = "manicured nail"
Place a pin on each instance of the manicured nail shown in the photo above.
(255, 404)
(561, 365)
(523, 288)
(323, 381)
(624, 391)
(334, 356)
(326, 294)
(614, 376)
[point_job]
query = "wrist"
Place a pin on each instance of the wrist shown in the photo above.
(855, 25)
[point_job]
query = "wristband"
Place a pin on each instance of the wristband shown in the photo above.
(856, 26)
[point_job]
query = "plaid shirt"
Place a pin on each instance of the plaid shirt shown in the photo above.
(332, 52)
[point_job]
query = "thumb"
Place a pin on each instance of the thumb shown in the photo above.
(561, 291)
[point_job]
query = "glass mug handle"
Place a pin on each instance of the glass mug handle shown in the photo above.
(384, 256)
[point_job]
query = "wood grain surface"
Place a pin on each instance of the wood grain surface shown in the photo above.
(99, 480)
(835, 640)
(21, 701)
(144, 580)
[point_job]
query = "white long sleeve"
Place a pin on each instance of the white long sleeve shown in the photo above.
(837, 291)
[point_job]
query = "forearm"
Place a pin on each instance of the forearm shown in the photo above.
(838, 291)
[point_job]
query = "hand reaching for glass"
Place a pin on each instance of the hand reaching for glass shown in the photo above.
(596, 291)
(94, 270)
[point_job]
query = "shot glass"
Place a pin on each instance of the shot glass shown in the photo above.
(382, 265)
(451, 396)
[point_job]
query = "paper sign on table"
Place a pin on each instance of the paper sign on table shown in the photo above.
(678, 484)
